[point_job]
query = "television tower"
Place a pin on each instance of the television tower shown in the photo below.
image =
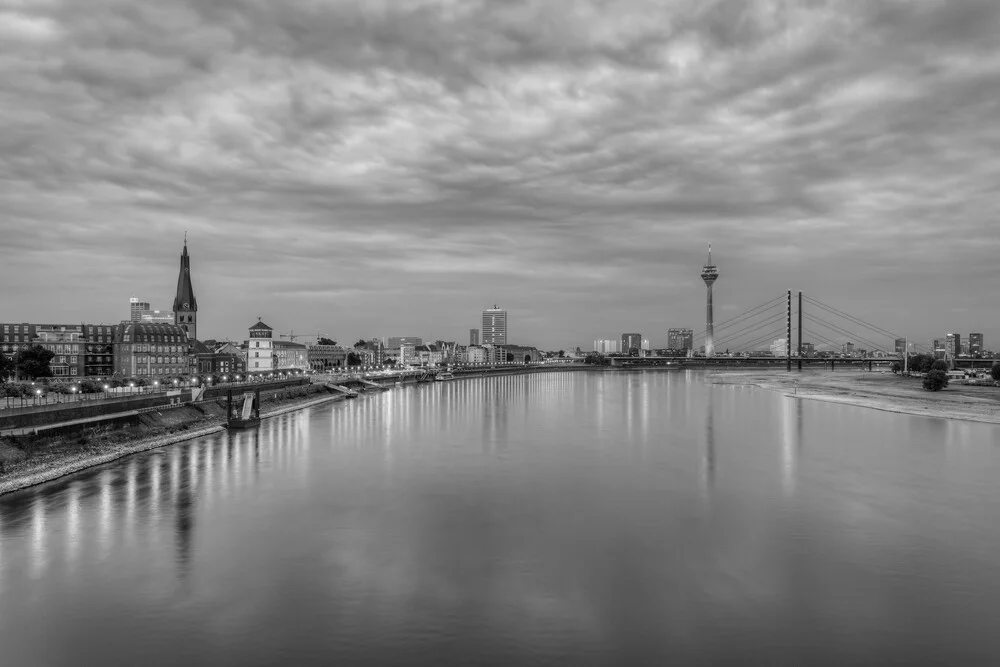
(709, 274)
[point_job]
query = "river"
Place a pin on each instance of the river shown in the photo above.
(583, 518)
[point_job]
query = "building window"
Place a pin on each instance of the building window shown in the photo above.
(256, 364)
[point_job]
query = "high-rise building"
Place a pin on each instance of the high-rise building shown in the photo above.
(779, 348)
(709, 273)
(185, 305)
(494, 330)
(473, 336)
(975, 343)
(847, 349)
(396, 342)
(680, 339)
(631, 341)
(938, 344)
(900, 346)
(605, 346)
(808, 349)
(135, 308)
(953, 344)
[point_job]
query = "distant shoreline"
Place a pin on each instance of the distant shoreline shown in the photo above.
(886, 392)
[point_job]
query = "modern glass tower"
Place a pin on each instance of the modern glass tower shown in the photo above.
(709, 274)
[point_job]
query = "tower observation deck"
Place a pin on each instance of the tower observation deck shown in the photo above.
(709, 273)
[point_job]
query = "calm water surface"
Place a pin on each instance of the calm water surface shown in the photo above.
(558, 519)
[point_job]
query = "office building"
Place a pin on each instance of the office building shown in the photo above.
(136, 307)
(953, 344)
(288, 355)
(396, 342)
(900, 346)
(494, 329)
(975, 343)
(81, 350)
(473, 336)
(680, 339)
(151, 350)
(606, 346)
(631, 342)
(153, 316)
(779, 348)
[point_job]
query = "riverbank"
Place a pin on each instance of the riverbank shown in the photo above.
(29, 461)
(892, 393)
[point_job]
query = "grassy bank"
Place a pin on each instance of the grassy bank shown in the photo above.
(29, 460)
(880, 391)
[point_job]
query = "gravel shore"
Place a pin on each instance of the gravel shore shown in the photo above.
(881, 391)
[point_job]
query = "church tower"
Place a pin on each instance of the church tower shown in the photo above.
(185, 306)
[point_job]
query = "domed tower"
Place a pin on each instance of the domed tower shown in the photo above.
(709, 274)
(185, 305)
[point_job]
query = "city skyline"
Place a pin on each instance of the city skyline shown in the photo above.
(406, 179)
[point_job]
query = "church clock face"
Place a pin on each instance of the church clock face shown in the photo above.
(186, 305)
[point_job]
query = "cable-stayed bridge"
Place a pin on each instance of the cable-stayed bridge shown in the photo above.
(796, 331)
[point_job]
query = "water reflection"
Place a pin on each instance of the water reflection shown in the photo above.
(578, 538)
(708, 457)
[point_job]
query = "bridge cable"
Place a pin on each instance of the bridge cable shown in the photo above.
(756, 341)
(844, 332)
(824, 339)
(726, 323)
(850, 335)
(856, 320)
(749, 329)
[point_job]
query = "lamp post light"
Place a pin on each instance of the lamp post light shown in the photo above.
(38, 394)
(131, 386)
(105, 391)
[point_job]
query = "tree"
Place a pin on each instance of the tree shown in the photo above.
(361, 344)
(326, 341)
(935, 380)
(896, 367)
(939, 365)
(7, 367)
(995, 371)
(33, 362)
(353, 359)
(562, 354)
(921, 363)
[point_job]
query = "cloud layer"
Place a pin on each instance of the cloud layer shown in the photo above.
(391, 168)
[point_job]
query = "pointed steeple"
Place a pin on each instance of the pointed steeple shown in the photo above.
(185, 301)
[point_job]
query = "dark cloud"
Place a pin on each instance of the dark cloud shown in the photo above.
(389, 168)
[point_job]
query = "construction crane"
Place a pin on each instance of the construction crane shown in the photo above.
(291, 335)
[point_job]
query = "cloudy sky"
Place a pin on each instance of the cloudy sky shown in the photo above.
(381, 168)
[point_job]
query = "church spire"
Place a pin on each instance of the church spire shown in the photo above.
(185, 290)
(185, 305)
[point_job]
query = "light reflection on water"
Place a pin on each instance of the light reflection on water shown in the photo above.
(583, 518)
